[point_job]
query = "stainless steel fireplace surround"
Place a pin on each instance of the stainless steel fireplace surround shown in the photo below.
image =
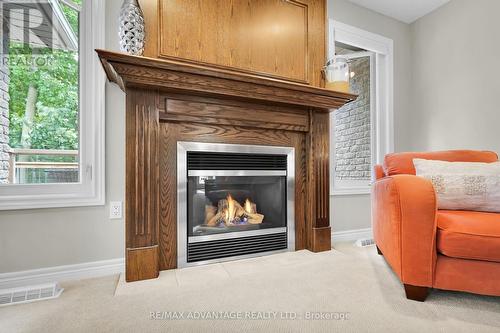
(209, 175)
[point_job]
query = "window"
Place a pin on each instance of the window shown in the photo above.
(361, 131)
(352, 128)
(51, 98)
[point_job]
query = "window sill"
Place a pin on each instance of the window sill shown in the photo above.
(50, 201)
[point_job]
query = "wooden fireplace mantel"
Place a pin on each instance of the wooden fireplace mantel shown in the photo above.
(132, 71)
(170, 101)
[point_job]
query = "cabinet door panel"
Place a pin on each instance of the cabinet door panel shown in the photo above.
(262, 36)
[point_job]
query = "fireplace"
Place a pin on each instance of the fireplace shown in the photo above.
(234, 201)
(244, 125)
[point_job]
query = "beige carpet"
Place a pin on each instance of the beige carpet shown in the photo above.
(352, 288)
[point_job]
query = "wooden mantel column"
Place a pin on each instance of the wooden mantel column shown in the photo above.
(141, 185)
(170, 101)
(318, 173)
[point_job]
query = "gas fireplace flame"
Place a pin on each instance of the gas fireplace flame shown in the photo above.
(229, 212)
(230, 208)
(248, 206)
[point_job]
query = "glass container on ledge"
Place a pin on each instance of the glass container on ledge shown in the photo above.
(337, 74)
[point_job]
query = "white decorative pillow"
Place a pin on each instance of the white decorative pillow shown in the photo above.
(463, 185)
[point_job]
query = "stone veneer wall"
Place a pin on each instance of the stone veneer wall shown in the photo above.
(4, 119)
(352, 128)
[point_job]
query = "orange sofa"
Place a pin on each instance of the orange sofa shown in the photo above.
(431, 248)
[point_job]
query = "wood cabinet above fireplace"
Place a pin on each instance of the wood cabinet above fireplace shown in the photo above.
(276, 38)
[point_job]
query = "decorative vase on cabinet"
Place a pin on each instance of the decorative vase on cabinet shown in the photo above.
(131, 28)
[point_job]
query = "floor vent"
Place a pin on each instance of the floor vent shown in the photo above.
(365, 242)
(29, 294)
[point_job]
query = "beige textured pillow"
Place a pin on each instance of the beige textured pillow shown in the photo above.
(463, 185)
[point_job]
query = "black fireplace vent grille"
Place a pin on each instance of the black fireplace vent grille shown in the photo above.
(224, 248)
(235, 161)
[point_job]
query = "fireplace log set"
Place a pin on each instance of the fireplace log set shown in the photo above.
(229, 212)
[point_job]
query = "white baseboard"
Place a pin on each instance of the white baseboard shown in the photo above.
(62, 273)
(351, 235)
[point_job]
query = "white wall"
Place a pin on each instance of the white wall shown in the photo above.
(38, 238)
(456, 77)
(353, 212)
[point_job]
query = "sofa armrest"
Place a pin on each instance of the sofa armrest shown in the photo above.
(378, 171)
(404, 226)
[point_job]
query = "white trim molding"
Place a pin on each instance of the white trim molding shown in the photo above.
(352, 190)
(62, 273)
(382, 114)
(351, 235)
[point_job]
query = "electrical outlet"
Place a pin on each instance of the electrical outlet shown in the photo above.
(115, 210)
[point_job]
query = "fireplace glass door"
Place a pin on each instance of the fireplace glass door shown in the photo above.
(226, 201)
(234, 201)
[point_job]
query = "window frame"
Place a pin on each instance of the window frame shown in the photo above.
(90, 190)
(358, 186)
(382, 115)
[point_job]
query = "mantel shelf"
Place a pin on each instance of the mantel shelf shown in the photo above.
(133, 71)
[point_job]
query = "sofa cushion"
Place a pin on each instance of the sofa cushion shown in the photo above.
(402, 163)
(469, 235)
